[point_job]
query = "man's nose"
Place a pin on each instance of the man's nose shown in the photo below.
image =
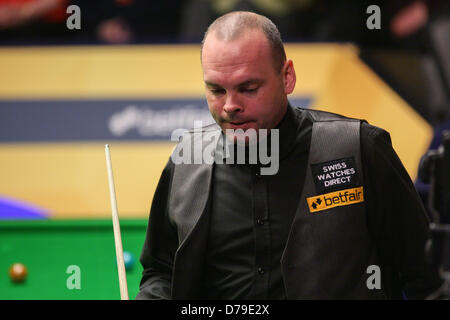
(232, 105)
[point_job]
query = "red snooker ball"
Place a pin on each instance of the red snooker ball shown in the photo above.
(18, 272)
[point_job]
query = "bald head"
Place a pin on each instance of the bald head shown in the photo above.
(233, 25)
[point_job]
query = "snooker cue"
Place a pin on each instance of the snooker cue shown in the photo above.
(116, 226)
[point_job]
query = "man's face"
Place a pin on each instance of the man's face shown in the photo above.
(243, 89)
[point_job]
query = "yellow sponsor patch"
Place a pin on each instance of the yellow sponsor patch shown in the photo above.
(335, 199)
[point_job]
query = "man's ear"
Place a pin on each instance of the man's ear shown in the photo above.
(289, 77)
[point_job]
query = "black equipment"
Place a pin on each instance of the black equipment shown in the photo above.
(434, 169)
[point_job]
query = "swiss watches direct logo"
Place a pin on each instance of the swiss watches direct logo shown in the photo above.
(335, 175)
(335, 199)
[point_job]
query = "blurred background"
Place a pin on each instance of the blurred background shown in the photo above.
(129, 74)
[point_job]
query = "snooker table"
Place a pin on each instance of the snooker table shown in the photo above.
(48, 247)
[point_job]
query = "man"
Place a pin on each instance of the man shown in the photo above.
(340, 207)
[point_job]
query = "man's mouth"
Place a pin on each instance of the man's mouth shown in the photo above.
(239, 124)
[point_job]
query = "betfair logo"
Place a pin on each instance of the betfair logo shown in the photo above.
(335, 199)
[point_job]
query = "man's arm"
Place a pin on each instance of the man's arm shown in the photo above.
(160, 244)
(396, 217)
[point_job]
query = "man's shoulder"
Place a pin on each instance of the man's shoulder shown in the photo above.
(369, 132)
(316, 115)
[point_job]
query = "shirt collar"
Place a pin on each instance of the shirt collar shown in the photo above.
(288, 127)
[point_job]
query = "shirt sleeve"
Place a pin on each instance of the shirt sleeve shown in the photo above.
(160, 244)
(396, 217)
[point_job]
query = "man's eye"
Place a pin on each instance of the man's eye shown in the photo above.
(249, 90)
(217, 91)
